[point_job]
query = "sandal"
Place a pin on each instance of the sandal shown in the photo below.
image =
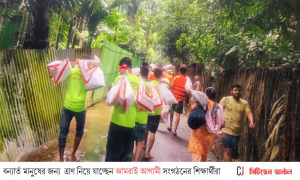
(169, 129)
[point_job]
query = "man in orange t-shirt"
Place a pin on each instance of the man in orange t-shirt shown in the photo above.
(179, 93)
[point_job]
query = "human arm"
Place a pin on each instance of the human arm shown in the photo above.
(250, 117)
(115, 81)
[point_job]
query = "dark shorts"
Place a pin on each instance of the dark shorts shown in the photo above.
(119, 144)
(153, 122)
(139, 131)
(231, 142)
(178, 107)
(66, 118)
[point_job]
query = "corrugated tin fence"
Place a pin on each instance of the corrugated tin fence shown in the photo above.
(30, 104)
(274, 98)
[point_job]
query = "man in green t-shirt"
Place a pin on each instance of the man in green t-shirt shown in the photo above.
(74, 105)
(119, 144)
(153, 118)
(141, 117)
(235, 110)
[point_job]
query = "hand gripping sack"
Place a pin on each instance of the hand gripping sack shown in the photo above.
(215, 119)
(156, 100)
(126, 94)
(196, 118)
(59, 70)
(188, 85)
(143, 99)
(113, 95)
(166, 95)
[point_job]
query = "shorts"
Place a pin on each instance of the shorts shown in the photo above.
(119, 144)
(139, 131)
(231, 142)
(153, 122)
(178, 107)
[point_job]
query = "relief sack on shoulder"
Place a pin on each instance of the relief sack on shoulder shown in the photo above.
(188, 85)
(143, 99)
(196, 118)
(59, 70)
(156, 100)
(126, 94)
(166, 95)
(97, 80)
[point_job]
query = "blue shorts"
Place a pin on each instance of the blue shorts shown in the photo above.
(231, 142)
(65, 121)
(139, 131)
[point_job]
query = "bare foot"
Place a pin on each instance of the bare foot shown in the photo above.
(74, 159)
(148, 156)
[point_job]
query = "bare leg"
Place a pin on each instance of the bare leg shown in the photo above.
(61, 154)
(177, 115)
(146, 138)
(171, 119)
(76, 144)
(150, 145)
(203, 158)
(138, 150)
(227, 155)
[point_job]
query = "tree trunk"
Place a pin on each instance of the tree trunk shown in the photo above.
(207, 82)
(58, 34)
(40, 29)
(70, 33)
(74, 34)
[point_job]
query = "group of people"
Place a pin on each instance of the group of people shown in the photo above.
(140, 126)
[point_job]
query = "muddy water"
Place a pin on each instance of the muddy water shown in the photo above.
(92, 146)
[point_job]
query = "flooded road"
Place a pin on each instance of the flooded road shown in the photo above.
(166, 148)
(93, 143)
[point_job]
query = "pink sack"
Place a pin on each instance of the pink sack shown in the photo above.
(214, 125)
(59, 70)
(126, 94)
(156, 100)
(143, 99)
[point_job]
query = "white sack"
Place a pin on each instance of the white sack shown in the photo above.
(166, 95)
(126, 95)
(97, 80)
(87, 68)
(113, 94)
(188, 85)
(143, 99)
(156, 100)
(59, 70)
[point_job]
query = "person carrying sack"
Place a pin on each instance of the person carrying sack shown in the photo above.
(74, 105)
(119, 146)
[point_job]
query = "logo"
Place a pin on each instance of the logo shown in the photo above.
(240, 170)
